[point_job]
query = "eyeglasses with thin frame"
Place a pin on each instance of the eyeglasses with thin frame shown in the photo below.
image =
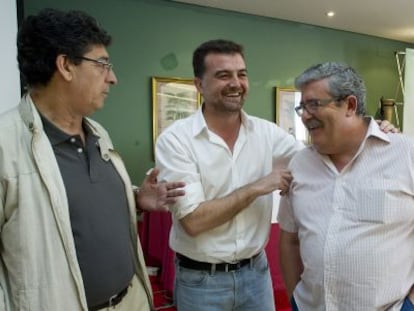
(103, 63)
(311, 106)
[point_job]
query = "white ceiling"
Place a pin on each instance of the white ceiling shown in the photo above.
(391, 19)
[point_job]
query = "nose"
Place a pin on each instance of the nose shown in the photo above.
(235, 81)
(306, 115)
(111, 77)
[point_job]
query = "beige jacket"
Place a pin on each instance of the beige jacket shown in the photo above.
(39, 270)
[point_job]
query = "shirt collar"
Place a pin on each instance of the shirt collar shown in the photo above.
(200, 124)
(375, 131)
(57, 136)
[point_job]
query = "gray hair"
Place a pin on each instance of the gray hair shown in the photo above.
(342, 80)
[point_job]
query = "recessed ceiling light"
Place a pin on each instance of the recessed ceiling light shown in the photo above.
(330, 13)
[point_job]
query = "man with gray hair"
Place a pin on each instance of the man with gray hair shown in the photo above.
(347, 225)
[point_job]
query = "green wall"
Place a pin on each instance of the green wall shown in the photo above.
(156, 38)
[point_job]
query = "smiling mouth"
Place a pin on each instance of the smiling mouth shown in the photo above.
(234, 94)
(311, 128)
(313, 124)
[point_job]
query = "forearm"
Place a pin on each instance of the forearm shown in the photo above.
(290, 262)
(213, 213)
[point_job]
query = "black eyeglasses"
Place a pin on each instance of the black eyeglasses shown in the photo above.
(103, 63)
(312, 105)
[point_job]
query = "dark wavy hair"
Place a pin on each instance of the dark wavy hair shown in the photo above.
(214, 46)
(42, 37)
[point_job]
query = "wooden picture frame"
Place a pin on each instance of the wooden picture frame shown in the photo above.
(172, 99)
(286, 101)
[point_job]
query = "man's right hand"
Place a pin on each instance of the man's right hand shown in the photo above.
(158, 196)
(278, 179)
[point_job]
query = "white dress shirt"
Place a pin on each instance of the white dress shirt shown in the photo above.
(190, 152)
(356, 227)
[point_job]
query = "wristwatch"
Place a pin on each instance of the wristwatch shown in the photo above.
(138, 210)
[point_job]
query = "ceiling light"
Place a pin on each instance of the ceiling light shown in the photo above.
(330, 13)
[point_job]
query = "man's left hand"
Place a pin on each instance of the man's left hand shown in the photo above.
(387, 127)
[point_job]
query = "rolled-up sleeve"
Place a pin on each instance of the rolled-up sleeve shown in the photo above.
(176, 164)
(189, 202)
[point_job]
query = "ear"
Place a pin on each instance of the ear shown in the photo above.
(352, 105)
(64, 67)
(197, 83)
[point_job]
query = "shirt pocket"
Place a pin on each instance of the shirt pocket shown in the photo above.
(384, 201)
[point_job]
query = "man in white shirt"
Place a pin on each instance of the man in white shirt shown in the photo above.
(226, 158)
(347, 225)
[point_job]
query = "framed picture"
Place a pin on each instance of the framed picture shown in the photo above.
(286, 101)
(172, 99)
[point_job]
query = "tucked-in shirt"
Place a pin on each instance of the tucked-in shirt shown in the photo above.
(356, 227)
(189, 151)
(98, 211)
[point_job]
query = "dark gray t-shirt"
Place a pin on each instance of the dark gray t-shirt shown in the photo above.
(99, 214)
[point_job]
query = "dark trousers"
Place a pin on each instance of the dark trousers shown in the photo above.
(293, 305)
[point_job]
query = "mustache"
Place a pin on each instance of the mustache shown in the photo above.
(313, 123)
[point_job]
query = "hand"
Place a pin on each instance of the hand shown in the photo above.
(157, 196)
(285, 180)
(387, 126)
(278, 179)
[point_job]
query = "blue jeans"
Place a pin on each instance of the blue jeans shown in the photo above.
(246, 289)
(407, 305)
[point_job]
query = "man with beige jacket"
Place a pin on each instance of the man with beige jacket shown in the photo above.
(67, 208)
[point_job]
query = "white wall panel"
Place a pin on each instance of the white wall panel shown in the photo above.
(409, 93)
(9, 73)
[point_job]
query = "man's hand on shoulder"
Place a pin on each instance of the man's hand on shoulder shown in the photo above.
(387, 127)
(278, 179)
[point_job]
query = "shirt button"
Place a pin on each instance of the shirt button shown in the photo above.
(80, 150)
(72, 139)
